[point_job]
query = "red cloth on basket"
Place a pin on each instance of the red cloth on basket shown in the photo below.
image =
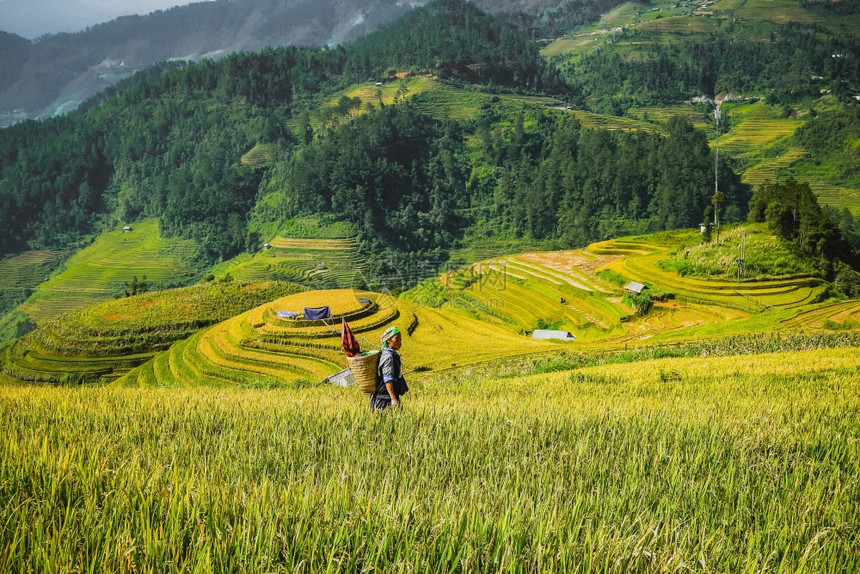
(347, 341)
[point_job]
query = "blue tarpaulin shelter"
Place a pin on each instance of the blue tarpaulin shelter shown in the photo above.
(317, 312)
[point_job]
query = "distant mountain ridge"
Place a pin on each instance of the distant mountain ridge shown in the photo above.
(56, 73)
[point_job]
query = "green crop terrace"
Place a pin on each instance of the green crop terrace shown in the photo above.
(99, 272)
(101, 342)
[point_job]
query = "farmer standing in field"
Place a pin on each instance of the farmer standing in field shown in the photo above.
(390, 384)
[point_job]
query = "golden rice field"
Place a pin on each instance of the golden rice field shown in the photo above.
(487, 310)
(483, 311)
(259, 348)
(758, 126)
(677, 441)
(101, 343)
(716, 464)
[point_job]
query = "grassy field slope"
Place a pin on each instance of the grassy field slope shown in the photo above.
(100, 271)
(306, 250)
(21, 273)
(729, 464)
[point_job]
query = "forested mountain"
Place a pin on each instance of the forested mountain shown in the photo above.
(55, 73)
(721, 49)
(831, 140)
(414, 184)
(171, 147)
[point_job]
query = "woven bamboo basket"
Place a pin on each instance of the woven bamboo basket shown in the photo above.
(363, 369)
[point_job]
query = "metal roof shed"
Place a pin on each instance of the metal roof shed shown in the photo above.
(550, 334)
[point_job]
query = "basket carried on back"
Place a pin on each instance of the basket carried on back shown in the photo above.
(363, 368)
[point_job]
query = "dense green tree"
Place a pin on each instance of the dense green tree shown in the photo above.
(792, 211)
(456, 40)
(795, 60)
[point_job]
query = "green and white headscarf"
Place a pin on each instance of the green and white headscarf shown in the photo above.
(388, 334)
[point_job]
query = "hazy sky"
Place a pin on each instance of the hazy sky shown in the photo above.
(34, 18)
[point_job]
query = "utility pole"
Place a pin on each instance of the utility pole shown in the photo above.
(741, 259)
(716, 154)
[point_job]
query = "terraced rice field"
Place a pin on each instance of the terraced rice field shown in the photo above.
(322, 263)
(749, 296)
(101, 343)
(519, 296)
(443, 102)
(604, 122)
(844, 315)
(758, 129)
(837, 196)
(260, 155)
(21, 274)
(762, 140)
(662, 115)
(771, 169)
(100, 271)
(677, 25)
(562, 289)
(259, 348)
(25, 268)
(389, 90)
(574, 46)
(779, 11)
(780, 168)
(480, 312)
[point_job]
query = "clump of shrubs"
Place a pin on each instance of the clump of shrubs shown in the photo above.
(643, 303)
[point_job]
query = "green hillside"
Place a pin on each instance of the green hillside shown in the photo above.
(748, 384)
(314, 262)
(424, 155)
(101, 271)
(21, 273)
(673, 52)
(417, 135)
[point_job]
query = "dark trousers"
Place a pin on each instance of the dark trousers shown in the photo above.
(380, 403)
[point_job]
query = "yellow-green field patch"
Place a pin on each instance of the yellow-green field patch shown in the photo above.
(605, 122)
(677, 25)
(752, 134)
(99, 343)
(697, 369)
(100, 271)
(779, 11)
(315, 262)
(663, 114)
(577, 45)
(20, 276)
